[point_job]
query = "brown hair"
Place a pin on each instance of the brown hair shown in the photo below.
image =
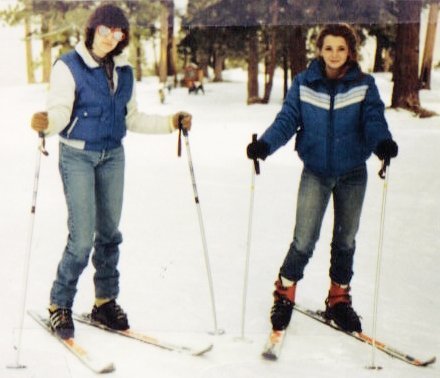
(113, 17)
(341, 30)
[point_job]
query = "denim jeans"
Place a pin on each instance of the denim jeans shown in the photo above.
(313, 197)
(93, 187)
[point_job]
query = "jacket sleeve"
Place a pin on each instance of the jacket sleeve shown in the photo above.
(286, 122)
(143, 123)
(60, 98)
(373, 117)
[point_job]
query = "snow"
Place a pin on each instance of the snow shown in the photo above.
(164, 286)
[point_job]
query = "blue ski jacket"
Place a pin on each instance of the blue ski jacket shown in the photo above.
(338, 123)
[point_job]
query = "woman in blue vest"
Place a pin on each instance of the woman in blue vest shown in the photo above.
(336, 113)
(91, 103)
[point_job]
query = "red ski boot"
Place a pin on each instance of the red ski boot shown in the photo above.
(339, 309)
(284, 300)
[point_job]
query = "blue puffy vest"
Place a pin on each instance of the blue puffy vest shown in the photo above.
(98, 115)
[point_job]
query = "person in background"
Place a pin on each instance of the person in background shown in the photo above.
(336, 113)
(91, 103)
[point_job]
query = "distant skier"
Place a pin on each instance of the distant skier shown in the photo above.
(91, 103)
(338, 118)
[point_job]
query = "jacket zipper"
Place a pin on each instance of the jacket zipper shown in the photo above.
(112, 92)
(330, 132)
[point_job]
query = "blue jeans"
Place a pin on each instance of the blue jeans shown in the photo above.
(313, 196)
(93, 186)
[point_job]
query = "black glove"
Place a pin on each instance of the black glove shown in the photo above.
(257, 150)
(386, 149)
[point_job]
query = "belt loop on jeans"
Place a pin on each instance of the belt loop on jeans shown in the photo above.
(102, 155)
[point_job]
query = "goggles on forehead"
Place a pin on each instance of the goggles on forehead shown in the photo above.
(105, 31)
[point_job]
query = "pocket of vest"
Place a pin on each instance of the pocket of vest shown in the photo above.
(91, 112)
(71, 127)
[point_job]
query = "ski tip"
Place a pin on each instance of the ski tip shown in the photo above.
(427, 362)
(269, 356)
(107, 369)
(201, 352)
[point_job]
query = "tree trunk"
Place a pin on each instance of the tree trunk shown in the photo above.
(156, 63)
(219, 61)
(378, 59)
(171, 63)
(252, 85)
(47, 49)
(425, 73)
(405, 74)
(163, 62)
(174, 60)
(297, 51)
(28, 44)
(285, 70)
(136, 41)
(272, 53)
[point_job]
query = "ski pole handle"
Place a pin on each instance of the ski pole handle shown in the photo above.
(383, 169)
(181, 130)
(180, 123)
(42, 146)
(256, 162)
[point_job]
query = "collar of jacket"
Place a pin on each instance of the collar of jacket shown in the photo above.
(315, 72)
(119, 60)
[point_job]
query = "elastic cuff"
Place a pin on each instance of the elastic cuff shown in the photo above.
(171, 124)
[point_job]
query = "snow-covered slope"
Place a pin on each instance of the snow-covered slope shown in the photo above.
(164, 286)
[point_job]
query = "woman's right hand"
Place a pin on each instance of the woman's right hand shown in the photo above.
(258, 149)
(40, 121)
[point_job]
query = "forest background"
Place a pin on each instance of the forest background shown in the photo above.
(257, 35)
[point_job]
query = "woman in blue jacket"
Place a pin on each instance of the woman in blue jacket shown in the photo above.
(91, 103)
(335, 111)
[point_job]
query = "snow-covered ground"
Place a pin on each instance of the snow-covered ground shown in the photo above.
(164, 286)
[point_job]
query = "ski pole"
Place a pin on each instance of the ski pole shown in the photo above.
(199, 213)
(41, 150)
(255, 170)
(383, 174)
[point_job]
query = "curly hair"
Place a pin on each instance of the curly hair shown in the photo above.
(113, 17)
(341, 30)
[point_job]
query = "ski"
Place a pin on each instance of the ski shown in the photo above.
(92, 362)
(132, 334)
(274, 343)
(318, 315)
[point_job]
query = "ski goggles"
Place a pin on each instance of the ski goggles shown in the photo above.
(105, 31)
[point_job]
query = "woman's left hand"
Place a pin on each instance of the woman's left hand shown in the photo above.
(387, 149)
(182, 119)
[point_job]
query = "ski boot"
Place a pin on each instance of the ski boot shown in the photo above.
(284, 300)
(339, 309)
(61, 322)
(111, 315)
